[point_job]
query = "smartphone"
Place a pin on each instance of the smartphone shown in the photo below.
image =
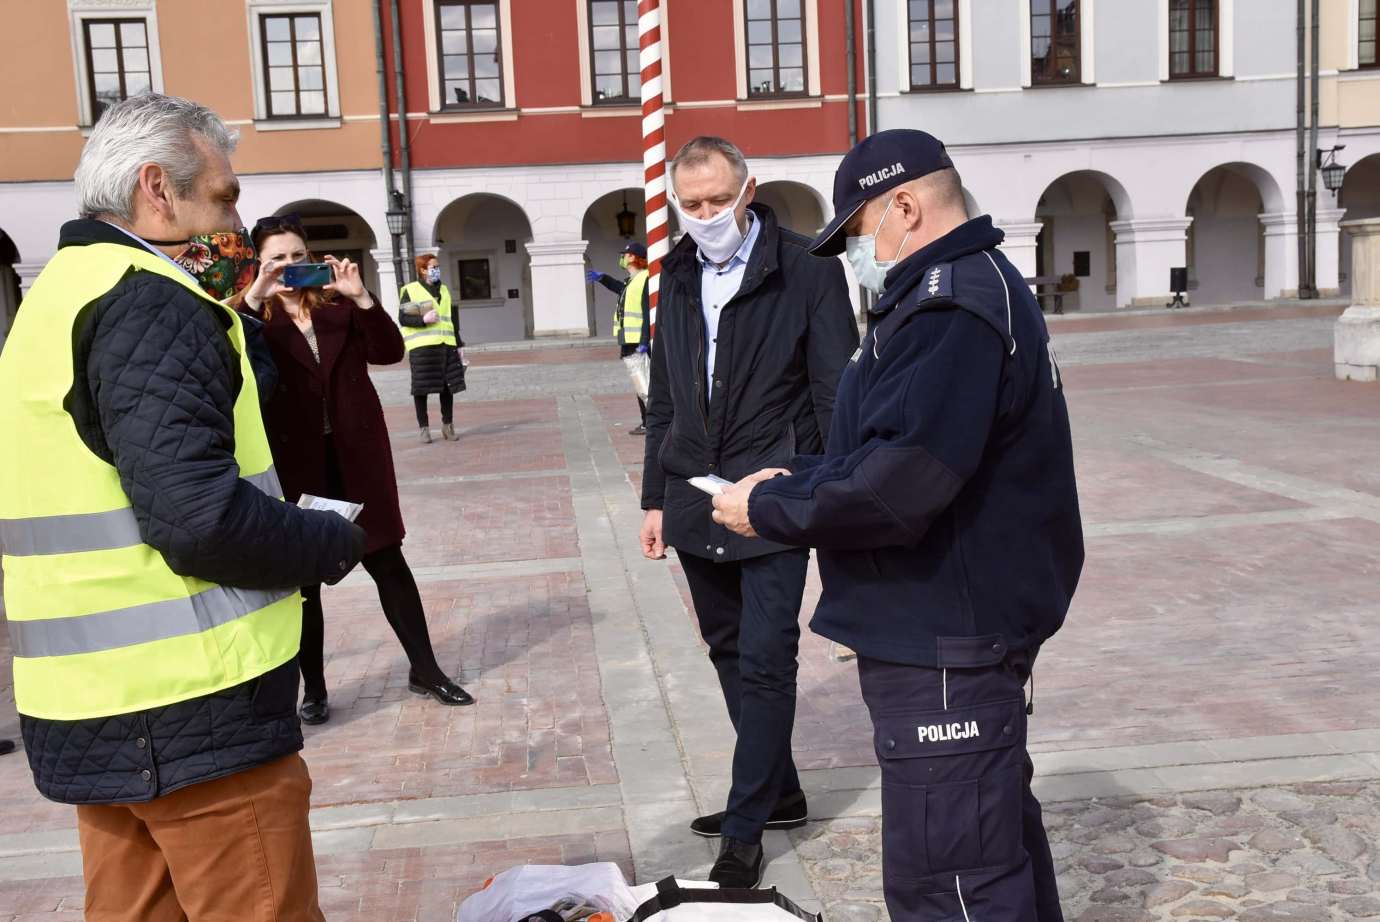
(307, 275)
(710, 484)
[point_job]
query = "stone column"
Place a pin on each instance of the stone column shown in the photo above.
(27, 272)
(1356, 337)
(1146, 249)
(1019, 245)
(559, 304)
(1326, 241)
(388, 280)
(1282, 255)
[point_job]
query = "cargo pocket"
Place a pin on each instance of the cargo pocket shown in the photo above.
(951, 789)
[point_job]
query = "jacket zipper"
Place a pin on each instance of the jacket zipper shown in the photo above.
(700, 371)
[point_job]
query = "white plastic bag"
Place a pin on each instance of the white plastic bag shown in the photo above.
(521, 891)
(639, 366)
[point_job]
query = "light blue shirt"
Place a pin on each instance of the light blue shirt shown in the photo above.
(153, 249)
(717, 288)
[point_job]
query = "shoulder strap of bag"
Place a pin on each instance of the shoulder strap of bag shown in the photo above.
(670, 894)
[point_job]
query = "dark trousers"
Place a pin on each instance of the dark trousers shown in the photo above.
(749, 615)
(447, 400)
(398, 595)
(962, 834)
(625, 350)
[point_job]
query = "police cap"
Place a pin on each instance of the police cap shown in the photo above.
(878, 163)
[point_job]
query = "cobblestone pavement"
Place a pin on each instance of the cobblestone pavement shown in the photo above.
(1223, 639)
(1307, 852)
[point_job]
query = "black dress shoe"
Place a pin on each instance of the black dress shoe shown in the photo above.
(444, 691)
(315, 711)
(6, 747)
(739, 865)
(791, 813)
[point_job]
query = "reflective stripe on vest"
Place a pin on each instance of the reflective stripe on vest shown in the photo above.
(627, 322)
(440, 333)
(99, 623)
(92, 531)
(109, 630)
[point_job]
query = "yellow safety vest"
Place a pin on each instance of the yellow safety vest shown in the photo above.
(627, 318)
(440, 333)
(99, 623)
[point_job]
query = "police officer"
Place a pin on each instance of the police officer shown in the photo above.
(632, 316)
(946, 517)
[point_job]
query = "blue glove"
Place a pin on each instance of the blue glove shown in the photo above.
(593, 275)
(643, 349)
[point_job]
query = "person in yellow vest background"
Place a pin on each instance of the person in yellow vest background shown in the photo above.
(151, 566)
(632, 316)
(433, 345)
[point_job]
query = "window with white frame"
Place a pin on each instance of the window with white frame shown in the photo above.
(294, 66)
(292, 46)
(934, 51)
(775, 48)
(614, 49)
(115, 53)
(1056, 42)
(1366, 19)
(117, 61)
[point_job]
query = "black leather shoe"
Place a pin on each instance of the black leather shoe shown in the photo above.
(445, 691)
(6, 747)
(315, 711)
(791, 813)
(739, 865)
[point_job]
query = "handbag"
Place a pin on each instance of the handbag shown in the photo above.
(674, 903)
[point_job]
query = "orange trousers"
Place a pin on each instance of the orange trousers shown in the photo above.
(237, 849)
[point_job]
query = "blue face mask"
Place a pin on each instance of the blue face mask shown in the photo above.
(433, 275)
(862, 255)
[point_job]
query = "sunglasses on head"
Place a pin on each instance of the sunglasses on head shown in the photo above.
(291, 222)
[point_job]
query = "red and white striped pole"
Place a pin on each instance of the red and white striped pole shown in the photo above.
(653, 147)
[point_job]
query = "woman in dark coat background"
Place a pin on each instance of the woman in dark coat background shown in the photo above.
(329, 438)
(432, 335)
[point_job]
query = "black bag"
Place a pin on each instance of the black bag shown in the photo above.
(719, 906)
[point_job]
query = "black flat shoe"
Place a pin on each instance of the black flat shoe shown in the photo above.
(791, 813)
(739, 865)
(445, 691)
(315, 711)
(6, 747)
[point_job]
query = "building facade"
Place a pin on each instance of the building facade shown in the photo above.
(1115, 139)
(1111, 139)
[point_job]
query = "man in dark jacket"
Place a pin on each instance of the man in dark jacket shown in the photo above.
(946, 517)
(206, 791)
(751, 337)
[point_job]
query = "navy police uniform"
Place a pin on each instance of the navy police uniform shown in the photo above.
(945, 515)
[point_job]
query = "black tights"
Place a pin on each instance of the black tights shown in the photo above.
(447, 408)
(402, 606)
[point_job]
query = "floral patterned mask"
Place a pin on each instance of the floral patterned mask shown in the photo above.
(223, 263)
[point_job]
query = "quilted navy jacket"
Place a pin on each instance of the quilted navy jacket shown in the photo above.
(154, 394)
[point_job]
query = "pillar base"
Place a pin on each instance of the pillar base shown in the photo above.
(1356, 344)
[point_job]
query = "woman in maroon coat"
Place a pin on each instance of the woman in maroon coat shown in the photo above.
(329, 439)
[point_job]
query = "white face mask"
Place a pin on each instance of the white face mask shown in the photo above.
(719, 237)
(862, 256)
(433, 275)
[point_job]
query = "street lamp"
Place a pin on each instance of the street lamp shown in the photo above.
(397, 215)
(1333, 173)
(627, 221)
(397, 218)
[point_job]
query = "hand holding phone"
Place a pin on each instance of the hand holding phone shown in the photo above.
(306, 275)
